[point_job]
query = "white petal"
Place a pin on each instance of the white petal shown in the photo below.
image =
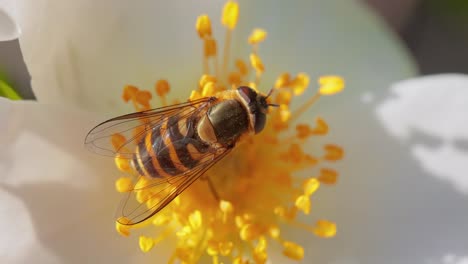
(402, 194)
(57, 200)
(8, 28)
(83, 52)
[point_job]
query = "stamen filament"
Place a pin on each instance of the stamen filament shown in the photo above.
(304, 107)
(227, 47)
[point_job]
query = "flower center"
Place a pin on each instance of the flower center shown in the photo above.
(248, 198)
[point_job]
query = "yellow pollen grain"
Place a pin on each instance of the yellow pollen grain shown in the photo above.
(242, 67)
(162, 87)
(257, 63)
(203, 26)
(210, 47)
(258, 35)
(330, 85)
(129, 92)
(230, 15)
(300, 83)
(195, 220)
(328, 176)
(293, 250)
(146, 243)
(303, 203)
(118, 140)
(124, 184)
(333, 152)
(122, 164)
(283, 80)
(325, 229)
(310, 186)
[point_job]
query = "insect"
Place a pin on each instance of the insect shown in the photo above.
(175, 145)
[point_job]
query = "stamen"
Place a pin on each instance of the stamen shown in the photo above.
(300, 83)
(293, 250)
(257, 36)
(325, 229)
(330, 85)
(328, 176)
(229, 20)
(146, 243)
(304, 107)
(162, 88)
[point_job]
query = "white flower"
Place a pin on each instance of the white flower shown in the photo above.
(388, 206)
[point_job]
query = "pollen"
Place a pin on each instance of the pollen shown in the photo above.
(246, 203)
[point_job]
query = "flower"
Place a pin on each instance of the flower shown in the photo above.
(377, 223)
(252, 192)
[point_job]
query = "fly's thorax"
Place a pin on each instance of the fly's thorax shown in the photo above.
(224, 123)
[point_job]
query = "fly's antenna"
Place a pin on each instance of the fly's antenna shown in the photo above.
(274, 105)
(269, 93)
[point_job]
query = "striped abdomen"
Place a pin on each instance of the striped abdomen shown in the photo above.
(170, 149)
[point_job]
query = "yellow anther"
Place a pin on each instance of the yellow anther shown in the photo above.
(209, 47)
(283, 97)
(162, 87)
(310, 160)
(242, 67)
(122, 164)
(195, 220)
(142, 196)
(303, 203)
(310, 186)
(321, 127)
(260, 255)
(240, 260)
(258, 35)
(225, 248)
(161, 220)
(129, 92)
(226, 206)
(257, 63)
(293, 250)
(303, 131)
(206, 79)
(118, 140)
(124, 184)
(283, 80)
(325, 229)
(194, 95)
(328, 176)
(330, 85)
(333, 152)
(285, 114)
(146, 243)
(300, 83)
(230, 15)
(234, 79)
(203, 26)
(143, 98)
(209, 89)
(250, 232)
(274, 231)
(122, 227)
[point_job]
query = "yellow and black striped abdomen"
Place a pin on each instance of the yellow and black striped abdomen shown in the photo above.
(170, 149)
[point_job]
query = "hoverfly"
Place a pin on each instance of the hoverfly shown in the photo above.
(176, 144)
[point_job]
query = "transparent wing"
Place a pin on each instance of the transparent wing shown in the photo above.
(149, 196)
(120, 135)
